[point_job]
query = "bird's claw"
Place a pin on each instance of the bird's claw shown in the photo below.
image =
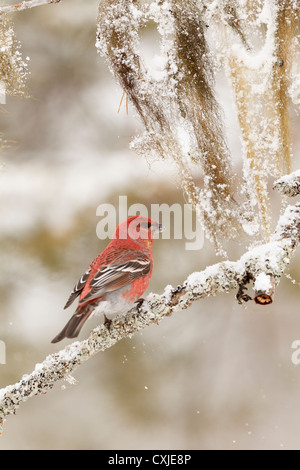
(139, 302)
(107, 322)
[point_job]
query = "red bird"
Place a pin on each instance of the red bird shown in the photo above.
(117, 277)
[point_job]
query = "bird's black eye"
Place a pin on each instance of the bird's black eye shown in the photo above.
(145, 225)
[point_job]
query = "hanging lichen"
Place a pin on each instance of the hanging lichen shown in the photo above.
(195, 93)
(182, 103)
(259, 61)
(256, 42)
(13, 69)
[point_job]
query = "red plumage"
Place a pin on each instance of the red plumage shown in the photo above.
(117, 277)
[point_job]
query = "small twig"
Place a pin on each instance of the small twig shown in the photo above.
(25, 5)
(119, 109)
(124, 93)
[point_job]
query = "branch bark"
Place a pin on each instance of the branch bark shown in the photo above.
(25, 5)
(289, 185)
(269, 260)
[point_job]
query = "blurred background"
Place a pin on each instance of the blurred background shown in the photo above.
(216, 376)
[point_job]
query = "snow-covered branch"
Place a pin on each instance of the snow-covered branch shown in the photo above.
(262, 265)
(25, 5)
(289, 185)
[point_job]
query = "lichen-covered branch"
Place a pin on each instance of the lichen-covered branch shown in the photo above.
(264, 265)
(289, 185)
(25, 5)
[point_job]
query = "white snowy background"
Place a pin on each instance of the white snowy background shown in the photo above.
(217, 375)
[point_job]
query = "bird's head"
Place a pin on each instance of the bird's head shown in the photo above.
(138, 228)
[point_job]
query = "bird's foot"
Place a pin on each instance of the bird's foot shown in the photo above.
(107, 322)
(139, 302)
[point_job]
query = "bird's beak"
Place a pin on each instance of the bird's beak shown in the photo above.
(157, 228)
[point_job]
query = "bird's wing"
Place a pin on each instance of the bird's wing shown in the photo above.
(116, 275)
(78, 288)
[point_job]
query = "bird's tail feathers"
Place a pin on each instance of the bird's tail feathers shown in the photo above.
(76, 322)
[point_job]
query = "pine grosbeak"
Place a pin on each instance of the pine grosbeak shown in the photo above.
(117, 277)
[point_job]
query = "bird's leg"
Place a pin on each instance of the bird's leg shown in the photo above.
(107, 321)
(139, 303)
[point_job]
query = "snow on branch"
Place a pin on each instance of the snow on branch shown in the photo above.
(25, 5)
(289, 185)
(262, 265)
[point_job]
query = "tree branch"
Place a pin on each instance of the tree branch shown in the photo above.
(264, 288)
(263, 264)
(289, 185)
(25, 5)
